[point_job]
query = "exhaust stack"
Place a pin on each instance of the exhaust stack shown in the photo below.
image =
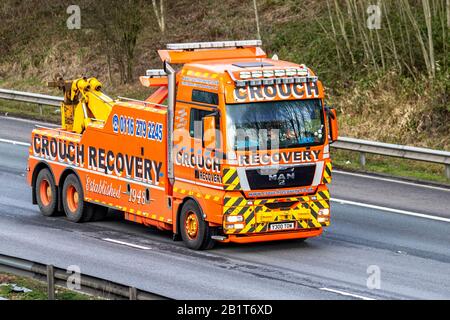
(171, 75)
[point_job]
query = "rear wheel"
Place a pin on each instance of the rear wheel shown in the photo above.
(46, 195)
(76, 209)
(194, 230)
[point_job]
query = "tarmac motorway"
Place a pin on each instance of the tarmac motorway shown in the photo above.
(389, 239)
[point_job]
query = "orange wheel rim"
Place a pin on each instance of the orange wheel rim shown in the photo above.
(72, 198)
(191, 225)
(45, 192)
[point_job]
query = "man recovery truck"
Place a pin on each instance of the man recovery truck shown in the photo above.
(232, 146)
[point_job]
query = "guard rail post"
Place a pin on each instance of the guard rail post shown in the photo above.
(133, 293)
(362, 159)
(51, 282)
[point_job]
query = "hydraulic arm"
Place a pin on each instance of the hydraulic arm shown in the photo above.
(84, 102)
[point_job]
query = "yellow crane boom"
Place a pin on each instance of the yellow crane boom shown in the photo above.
(84, 102)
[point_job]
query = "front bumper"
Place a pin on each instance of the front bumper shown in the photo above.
(259, 214)
(272, 236)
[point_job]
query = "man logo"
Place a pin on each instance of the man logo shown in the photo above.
(283, 177)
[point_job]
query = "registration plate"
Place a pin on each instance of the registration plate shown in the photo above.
(282, 226)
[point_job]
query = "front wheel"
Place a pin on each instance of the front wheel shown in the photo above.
(194, 230)
(76, 209)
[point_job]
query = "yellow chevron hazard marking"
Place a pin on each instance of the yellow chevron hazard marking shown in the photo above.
(260, 227)
(248, 226)
(231, 179)
(262, 212)
(316, 223)
(234, 201)
(327, 172)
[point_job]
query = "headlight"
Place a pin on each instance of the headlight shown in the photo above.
(323, 215)
(235, 226)
(234, 219)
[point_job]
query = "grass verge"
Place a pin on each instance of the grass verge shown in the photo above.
(39, 290)
(30, 111)
(410, 169)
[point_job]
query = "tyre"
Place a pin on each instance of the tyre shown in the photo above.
(194, 230)
(76, 209)
(46, 194)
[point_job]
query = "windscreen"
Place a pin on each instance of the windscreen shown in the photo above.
(275, 124)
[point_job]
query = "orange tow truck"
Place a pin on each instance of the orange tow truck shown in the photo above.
(232, 146)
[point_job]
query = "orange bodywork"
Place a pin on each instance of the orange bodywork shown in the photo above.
(122, 162)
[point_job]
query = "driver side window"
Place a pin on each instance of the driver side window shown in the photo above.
(196, 120)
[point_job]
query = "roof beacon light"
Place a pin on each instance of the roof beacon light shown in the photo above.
(303, 71)
(291, 72)
(280, 73)
(245, 75)
(214, 45)
(156, 73)
(257, 74)
(268, 73)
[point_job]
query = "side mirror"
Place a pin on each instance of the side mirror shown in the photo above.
(209, 132)
(332, 124)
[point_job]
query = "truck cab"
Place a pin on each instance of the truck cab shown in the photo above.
(251, 143)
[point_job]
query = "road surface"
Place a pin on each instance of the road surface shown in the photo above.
(397, 228)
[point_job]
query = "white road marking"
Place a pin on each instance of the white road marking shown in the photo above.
(36, 122)
(126, 244)
(391, 180)
(346, 294)
(408, 213)
(414, 214)
(25, 144)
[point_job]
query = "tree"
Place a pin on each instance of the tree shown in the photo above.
(118, 25)
(159, 13)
